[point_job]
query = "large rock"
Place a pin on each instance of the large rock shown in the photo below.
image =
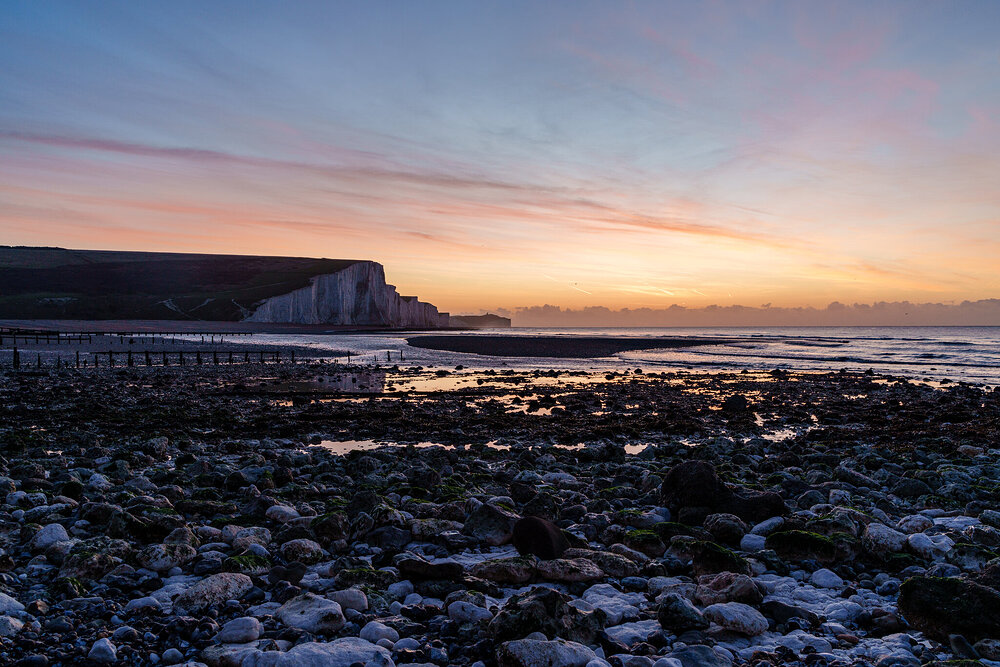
(737, 617)
(569, 570)
(311, 613)
(9, 604)
(547, 611)
(212, 591)
(537, 653)
(707, 557)
(342, 652)
(505, 570)
(490, 524)
(163, 557)
(539, 537)
(676, 614)
(727, 587)
(939, 607)
(49, 535)
(882, 540)
(695, 484)
(416, 568)
(302, 550)
(699, 656)
(240, 631)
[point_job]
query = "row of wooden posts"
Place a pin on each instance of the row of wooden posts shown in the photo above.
(197, 357)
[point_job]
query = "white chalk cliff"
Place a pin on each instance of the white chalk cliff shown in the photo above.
(356, 295)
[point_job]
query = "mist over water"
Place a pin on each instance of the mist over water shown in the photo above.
(969, 354)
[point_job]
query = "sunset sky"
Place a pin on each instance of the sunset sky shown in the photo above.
(505, 154)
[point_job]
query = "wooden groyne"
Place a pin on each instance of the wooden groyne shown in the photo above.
(150, 358)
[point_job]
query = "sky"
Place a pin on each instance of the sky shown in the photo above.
(500, 155)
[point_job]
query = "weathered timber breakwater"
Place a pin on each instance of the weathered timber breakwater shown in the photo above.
(199, 515)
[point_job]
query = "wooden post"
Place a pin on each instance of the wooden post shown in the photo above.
(149, 361)
(246, 357)
(215, 357)
(230, 357)
(180, 358)
(130, 357)
(164, 357)
(39, 359)
(111, 359)
(293, 356)
(17, 357)
(198, 354)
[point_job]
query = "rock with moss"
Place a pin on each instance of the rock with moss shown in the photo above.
(506, 571)
(490, 524)
(696, 484)
(707, 557)
(547, 611)
(646, 542)
(940, 606)
(802, 545)
(378, 579)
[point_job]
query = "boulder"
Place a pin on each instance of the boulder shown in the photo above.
(342, 652)
(881, 540)
(538, 653)
(727, 587)
(699, 656)
(374, 631)
(505, 570)
(569, 570)
(49, 535)
(490, 524)
(302, 550)
(547, 611)
(240, 631)
(695, 484)
(163, 557)
(103, 650)
(539, 537)
(212, 591)
(9, 604)
(461, 611)
(726, 528)
(311, 613)
(737, 617)
(416, 568)
(939, 607)
(676, 614)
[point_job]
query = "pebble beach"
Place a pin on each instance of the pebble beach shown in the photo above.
(319, 514)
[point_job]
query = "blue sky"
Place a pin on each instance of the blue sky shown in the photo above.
(513, 154)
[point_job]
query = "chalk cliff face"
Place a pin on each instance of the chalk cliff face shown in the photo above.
(356, 295)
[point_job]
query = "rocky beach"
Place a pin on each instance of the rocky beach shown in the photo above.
(317, 514)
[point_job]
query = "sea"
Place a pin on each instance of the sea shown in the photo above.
(967, 354)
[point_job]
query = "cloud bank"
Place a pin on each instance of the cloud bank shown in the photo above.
(985, 312)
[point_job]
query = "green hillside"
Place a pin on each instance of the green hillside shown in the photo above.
(56, 283)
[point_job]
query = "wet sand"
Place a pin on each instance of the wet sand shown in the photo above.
(562, 347)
